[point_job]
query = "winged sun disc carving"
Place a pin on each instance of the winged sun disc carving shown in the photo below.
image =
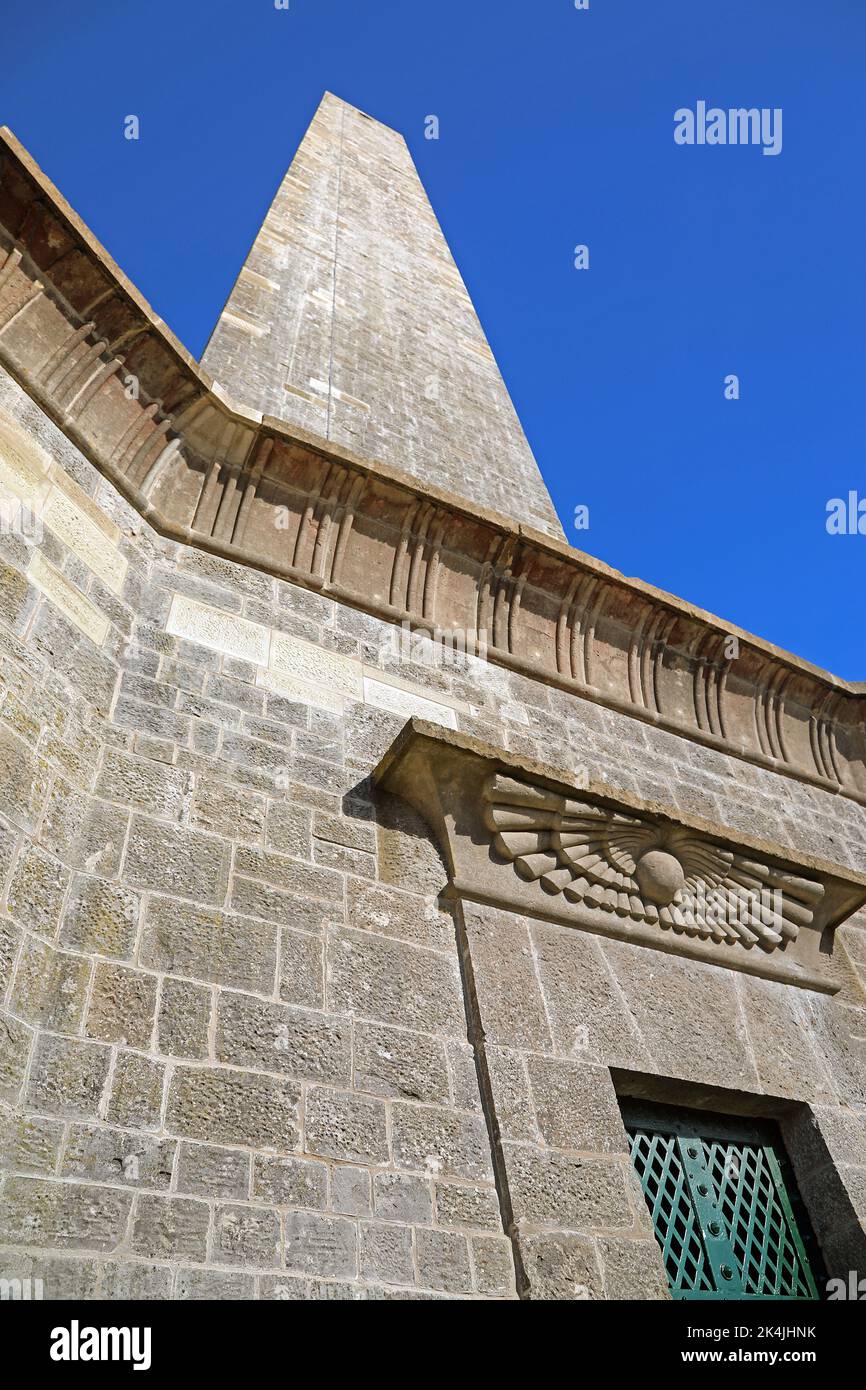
(643, 869)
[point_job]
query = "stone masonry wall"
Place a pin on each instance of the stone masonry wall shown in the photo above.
(239, 1051)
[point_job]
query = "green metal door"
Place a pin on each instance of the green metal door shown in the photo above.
(722, 1202)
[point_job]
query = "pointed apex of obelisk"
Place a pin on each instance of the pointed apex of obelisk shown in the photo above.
(350, 319)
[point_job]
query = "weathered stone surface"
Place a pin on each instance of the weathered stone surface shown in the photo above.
(136, 1091)
(493, 1262)
(247, 1235)
(394, 983)
(67, 1077)
(122, 1005)
(399, 1197)
(292, 1182)
(408, 916)
(443, 1260)
(351, 1191)
(677, 1005)
(36, 891)
(276, 1037)
(209, 945)
(386, 1253)
(302, 969)
(206, 1171)
(212, 1284)
(183, 1021)
(341, 1125)
(435, 1141)
(101, 1154)
(460, 1205)
(323, 1245)
(15, 1041)
(561, 1267)
(632, 1269)
(170, 859)
(28, 1143)
(233, 1107)
(509, 996)
(575, 1106)
(70, 1216)
(50, 986)
(556, 1189)
(101, 917)
(394, 1062)
(170, 1228)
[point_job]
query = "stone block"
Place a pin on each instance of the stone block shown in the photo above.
(388, 981)
(289, 829)
(587, 1011)
(294, 875)
(15, 1040)
(101, 917)
(493, 1262)
(345, 1126)
(71, 1216)
(183, 1019)
(509, 995)
(207, 944)
(556, 1189)
(84, 833)
(400, 1197)
(443, 1260)
(255, 899)
(247, 1235)
(136, 1091)
(255, 1033)
(394, 1062)
(228, 811)
(678, 1005)
(302, 970)
(386, 1253)
(458, 1204)
(100, 1154)
(68, 599)
(561, 1267)
(321, 1245)
(146, 785)
(632, 1269)
(440, 1142)
(576, 1106)
(28, 1143)
(37, 890)
(214, 1285)
(206, 1171)
(351, 1191)
(170, 1228)
(182, 863)
(67, 1077)
(122, 1006)
(50, 986)
(233, 1107)
(128, 1281)
(222, 632)
(291, 1182)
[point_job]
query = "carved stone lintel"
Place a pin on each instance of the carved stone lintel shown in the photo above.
(520, 836)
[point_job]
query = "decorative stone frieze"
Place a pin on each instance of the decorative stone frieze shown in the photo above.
(204, 470)
(518, 835)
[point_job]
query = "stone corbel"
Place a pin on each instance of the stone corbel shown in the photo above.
(522, 836)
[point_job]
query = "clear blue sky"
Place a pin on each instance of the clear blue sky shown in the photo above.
(556, 129)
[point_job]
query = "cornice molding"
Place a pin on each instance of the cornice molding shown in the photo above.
(203, 470)
(519, 835)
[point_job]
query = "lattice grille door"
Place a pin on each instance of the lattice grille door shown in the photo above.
(720, 1197)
